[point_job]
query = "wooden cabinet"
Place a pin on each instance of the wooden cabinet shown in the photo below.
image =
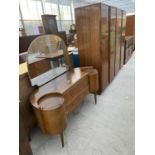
(112, 42)
(128, 48)
(130, 27)
(118, 40)
(100, 37)
(92, 24)
(50, 24)
(123, 38)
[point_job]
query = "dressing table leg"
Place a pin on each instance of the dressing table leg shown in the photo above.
(62, 139)
(95, 97)
(29, 136)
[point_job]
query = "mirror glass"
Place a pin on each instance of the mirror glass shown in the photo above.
(46, 60)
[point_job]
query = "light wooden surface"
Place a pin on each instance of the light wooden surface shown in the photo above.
(22, 68)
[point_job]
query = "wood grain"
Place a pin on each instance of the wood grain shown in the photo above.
(118, 41)
(24, 146)
(128, 48)
(122, 38)
(25, 90)
(55, 100)
(130, 27)
(92, 39)
(112, 42)
(51, 113)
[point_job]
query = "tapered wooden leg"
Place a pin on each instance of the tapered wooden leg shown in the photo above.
(29, 136)
(62, 139)
(95, 97)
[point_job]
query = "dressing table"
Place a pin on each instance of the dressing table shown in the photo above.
(59, 87)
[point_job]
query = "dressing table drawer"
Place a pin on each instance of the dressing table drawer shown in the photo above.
(77, 100)
(76, 94)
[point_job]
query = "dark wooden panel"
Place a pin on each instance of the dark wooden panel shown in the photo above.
(39, 67)
(128, 48)
(25, 89)
(25, 41)
(130, 25)
(118, 41)
(24, 146)
(104, 45)
(123, 38)
(50, 24)
(62, 34)
(112, 42)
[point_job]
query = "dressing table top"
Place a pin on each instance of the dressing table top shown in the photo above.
(61, 84)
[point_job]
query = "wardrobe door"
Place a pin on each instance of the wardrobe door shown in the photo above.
(112, 42)
(88, 30)
(88, 20)
(118, 40)
(123, 38)
(104, 45)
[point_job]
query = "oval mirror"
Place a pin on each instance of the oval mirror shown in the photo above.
(47, 59)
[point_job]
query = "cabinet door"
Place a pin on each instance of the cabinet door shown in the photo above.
(123, 38)
(88, 30)
(104, 45)
(112, 42)
(88, 37)
(118, 41)
(50, 24)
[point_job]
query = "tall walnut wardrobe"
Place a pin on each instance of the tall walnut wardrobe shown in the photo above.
(99, 32)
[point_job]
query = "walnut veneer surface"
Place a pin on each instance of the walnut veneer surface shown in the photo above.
(112, 42)
(92, 38)
(123, 38)
(129, 47)
(130, 27)
(53, 101)
(74, 85)
(118, 41)
(99, 38)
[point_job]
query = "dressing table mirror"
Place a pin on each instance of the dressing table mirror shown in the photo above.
(47, 59)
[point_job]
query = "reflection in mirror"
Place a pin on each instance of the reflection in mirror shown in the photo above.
(47, 59)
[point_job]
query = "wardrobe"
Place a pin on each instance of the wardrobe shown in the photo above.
(99, 31)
